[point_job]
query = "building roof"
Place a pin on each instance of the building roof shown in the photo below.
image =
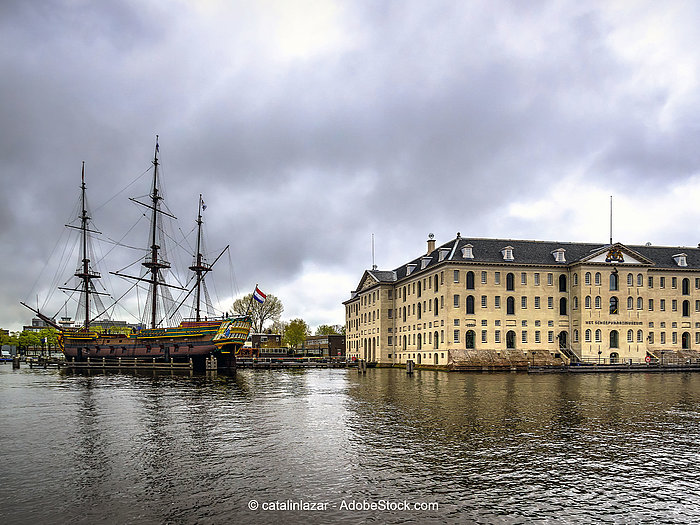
(538, 253)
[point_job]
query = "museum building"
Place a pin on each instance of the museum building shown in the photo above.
(574, 301)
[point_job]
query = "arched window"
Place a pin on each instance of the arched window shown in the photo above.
(587, 301)
(640, 303)
(587, 336)
(575, 278)
(510, 306)
(614, 357)
(598, 336)
(404, 294)
(685, 341)
(469, 339)
(404, 342)
(575, 303)
(614, 339)
(404, 313)
(587, 278)
(575, 335)
(436, 283)
(630, 302)
(562, 283)
(418, 288)
(562, 306)
(613, 282)
(470, 304)
(420, 343)
(597, 278)
(640, 279)
(435, 306)
(640, 336)
(510, 339)
(510, 282)
(686, 308)
(470, 280)
(613, 305)
(630, 279)
(686, 286)
(597, 301)
(630, 336)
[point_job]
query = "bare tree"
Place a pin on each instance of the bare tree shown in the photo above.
(270, 310)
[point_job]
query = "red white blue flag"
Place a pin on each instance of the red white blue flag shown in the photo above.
(258, 295)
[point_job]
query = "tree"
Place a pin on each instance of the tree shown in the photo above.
(278, 327)
(327, 329)
(296, 333)
(271, 309)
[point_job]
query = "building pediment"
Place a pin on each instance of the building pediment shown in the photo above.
(617, 254)
(368, 280)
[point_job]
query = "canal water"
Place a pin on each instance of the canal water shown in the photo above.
(338, 446)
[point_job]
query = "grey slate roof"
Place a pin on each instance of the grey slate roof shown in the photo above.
(538, 253)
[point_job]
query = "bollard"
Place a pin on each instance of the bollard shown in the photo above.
(409, 366)
(15, 362)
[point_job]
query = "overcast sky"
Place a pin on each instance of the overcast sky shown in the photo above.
(310, 126)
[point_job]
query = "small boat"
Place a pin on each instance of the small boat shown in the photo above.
(197, 339)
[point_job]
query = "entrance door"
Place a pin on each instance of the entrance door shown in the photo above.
(510, 339)
(562, 339)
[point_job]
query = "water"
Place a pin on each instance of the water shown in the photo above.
(469, 448)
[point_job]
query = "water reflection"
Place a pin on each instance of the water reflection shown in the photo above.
(488, 448)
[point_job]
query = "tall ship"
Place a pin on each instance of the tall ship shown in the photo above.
(198, 338)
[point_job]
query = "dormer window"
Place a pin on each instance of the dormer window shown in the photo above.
(681, 259)
(410, 268)
(467, 252)
(559, 255)
(507, 253)
(443, 253)
(424, 262)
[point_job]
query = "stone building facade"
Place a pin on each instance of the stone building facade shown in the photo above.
(528, 300)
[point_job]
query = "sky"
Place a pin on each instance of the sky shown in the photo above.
(311, 126)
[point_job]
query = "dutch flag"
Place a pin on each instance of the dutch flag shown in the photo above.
(258, 295)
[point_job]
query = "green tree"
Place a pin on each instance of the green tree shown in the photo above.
(327, 329)
(296, 333)
(270, 310)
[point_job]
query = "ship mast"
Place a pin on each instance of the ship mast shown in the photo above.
(84, 273)
(153, 263)
(199, 267)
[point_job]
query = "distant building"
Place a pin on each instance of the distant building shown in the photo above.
(519, 299)
(263, 341)
(37, 325)
(325, 345)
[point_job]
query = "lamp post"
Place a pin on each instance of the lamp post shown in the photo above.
(599, 352)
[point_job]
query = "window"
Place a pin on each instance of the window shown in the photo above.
(537, 302)
(497, 336)
(674, 305)
(550, 302)
(640, 279)
(507, 253)
(686, 286)
(598, 302)
(469, 339)
(575, 303)
(523, 302)
(651, 305)
(537, 336)
(640, 303)
(630, 336)
(497, 301)
(435, 309)
(483, 336)
(575, 335)
(575, 279)
(550, 336)
(483, 277)
(697, 306)
(686, 308)
(650, 282)
(697, 283)
(470, 305)
(483, 301)
(587, 278)
(662, 282)
(587, 336)
(496, 277)
(550, 279)
(419, 289)
(613, 282)
(597, 278)
(510, 306)
(436, 283)
(391, 313)
(614, 342)
(640, 336)
(419, 309)
(630, 279)
(613, 306)
(630, 303)
(470, 280)
(587, 301)
(674, 283)
(651, 338)
(598, 336)
(510, 282)
(562, 283)
(662, 338)
(562, 306)
(674, 338)
(524, 336)
(456, 336)
(456, 276)
(537, 279)
(456, 300)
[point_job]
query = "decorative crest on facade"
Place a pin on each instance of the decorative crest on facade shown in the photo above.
(615, 255)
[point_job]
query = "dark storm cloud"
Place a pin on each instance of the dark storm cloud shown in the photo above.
(417, 117)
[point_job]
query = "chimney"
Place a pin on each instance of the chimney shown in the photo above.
(431, 243)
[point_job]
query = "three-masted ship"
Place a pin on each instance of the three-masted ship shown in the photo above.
(196, 339)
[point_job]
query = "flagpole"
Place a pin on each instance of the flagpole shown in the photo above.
(252, 298)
